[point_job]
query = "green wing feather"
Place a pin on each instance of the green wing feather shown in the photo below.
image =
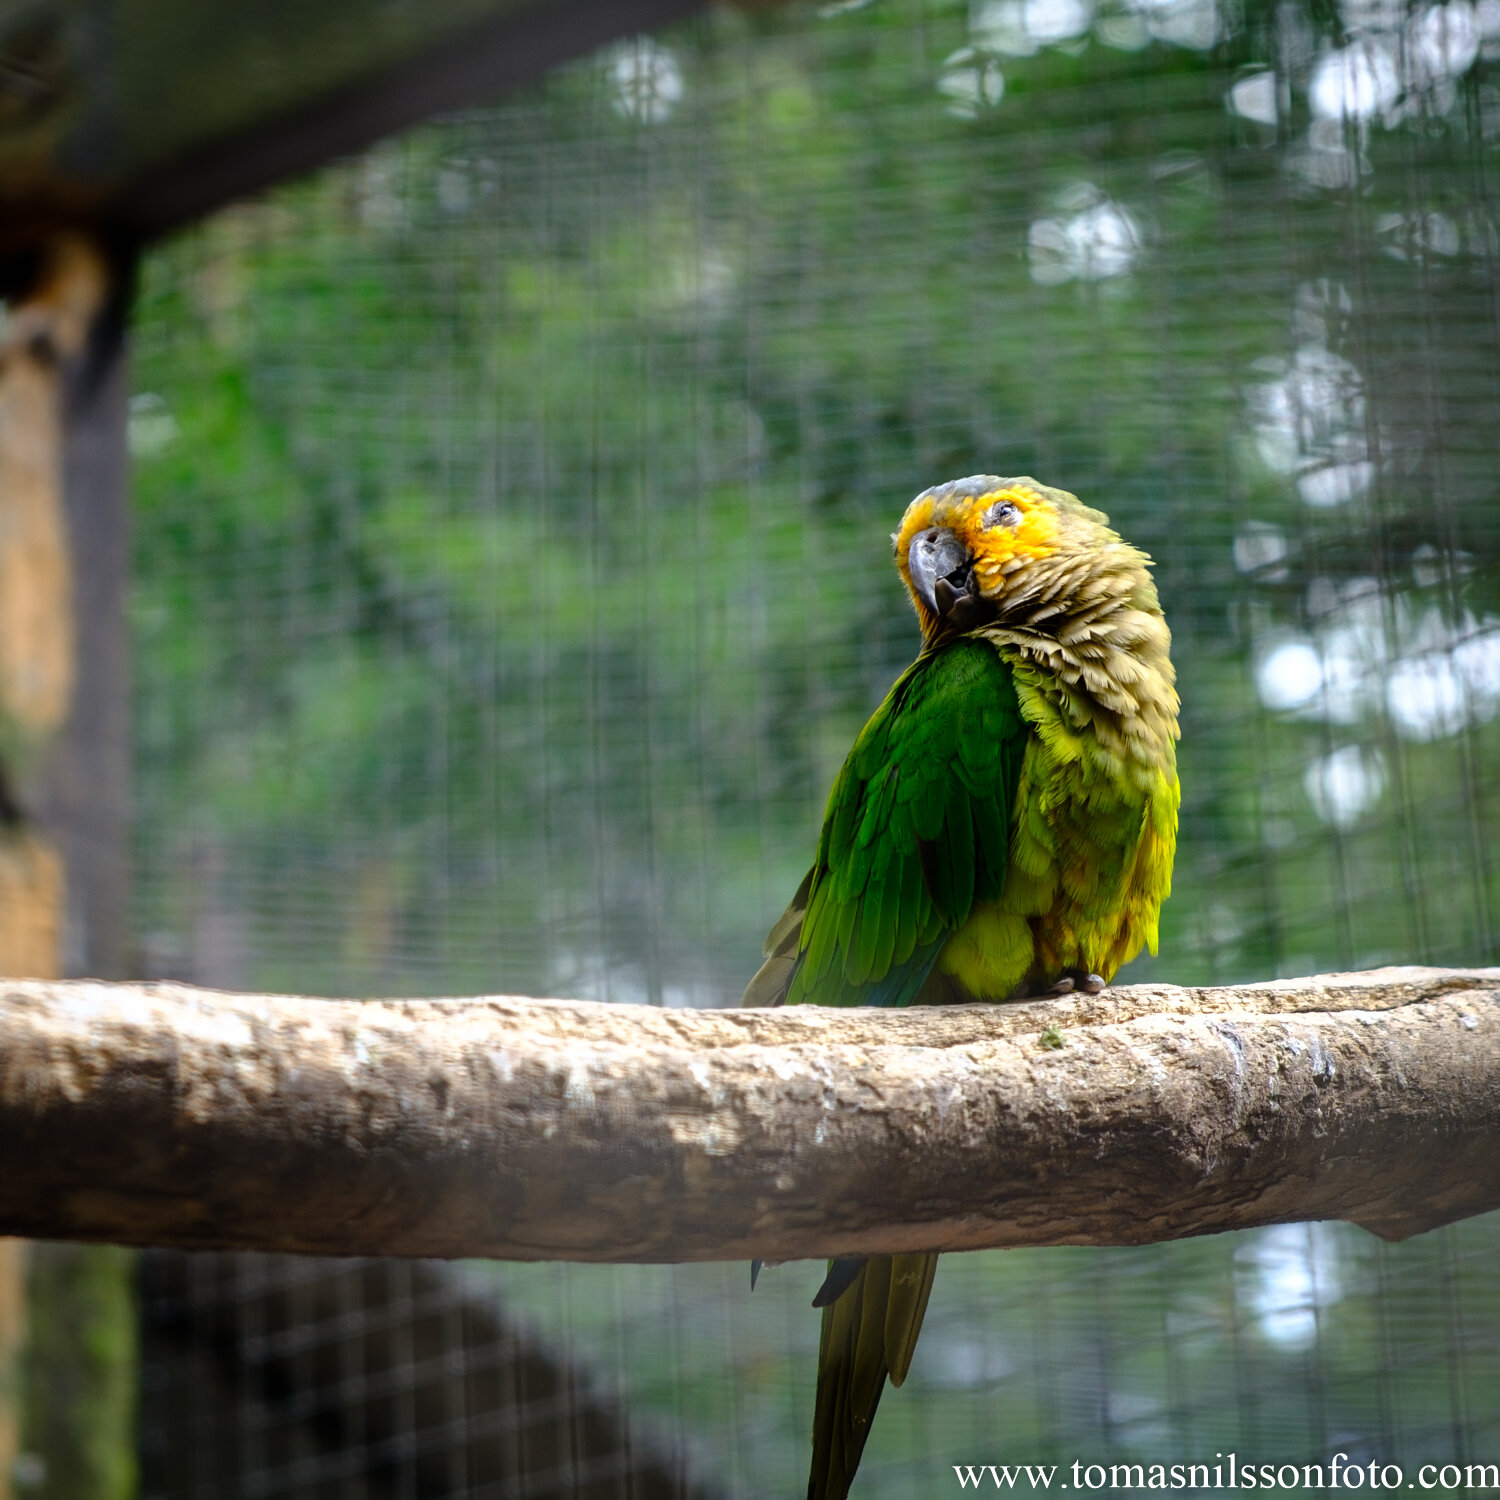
(917, 830)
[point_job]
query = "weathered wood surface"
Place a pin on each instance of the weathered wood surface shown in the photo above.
(45, 354)
(531, 1129)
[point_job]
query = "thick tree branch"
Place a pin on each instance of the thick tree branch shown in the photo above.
(532, 1129)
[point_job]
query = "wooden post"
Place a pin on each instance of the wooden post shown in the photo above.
(84, 801)
(64, 759)
(46, 326)
(12, 1349)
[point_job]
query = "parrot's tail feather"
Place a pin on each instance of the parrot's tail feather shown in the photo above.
(840, 1278)
(770, 983)
(869, 1332)
(755, 1266)
(788, 928)
(911, 1286)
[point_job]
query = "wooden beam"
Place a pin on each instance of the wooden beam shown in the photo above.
(66, 1323)
(64, 565)
(45, 329)
(55, 296)
(83, 794)
(12, 1356)
(537, 1129)
(477, 66)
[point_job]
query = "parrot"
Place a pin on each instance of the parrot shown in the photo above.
(1003, 828)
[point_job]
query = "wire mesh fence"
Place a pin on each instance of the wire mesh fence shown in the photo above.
(273, 1375)
(512, 575)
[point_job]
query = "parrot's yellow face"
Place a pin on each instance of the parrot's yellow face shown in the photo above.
(965, 548)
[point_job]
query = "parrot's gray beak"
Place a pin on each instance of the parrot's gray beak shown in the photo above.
(942, 572)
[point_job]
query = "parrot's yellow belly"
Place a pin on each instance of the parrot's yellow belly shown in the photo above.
(1090, 862)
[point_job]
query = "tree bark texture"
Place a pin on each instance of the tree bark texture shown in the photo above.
(544, 1129)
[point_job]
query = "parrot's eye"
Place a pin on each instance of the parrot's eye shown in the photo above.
(1001, 513)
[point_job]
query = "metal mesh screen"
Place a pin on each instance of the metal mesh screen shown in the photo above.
(274, 1375)
(513, 574)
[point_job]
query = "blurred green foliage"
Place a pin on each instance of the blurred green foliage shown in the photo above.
(512, 574)
(78, 1408)
(512, 568)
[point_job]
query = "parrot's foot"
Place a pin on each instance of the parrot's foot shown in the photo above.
(1090, 984)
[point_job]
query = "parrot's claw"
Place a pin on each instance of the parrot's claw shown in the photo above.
(1090, 984)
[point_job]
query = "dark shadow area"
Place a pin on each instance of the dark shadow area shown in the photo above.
(309, 1380)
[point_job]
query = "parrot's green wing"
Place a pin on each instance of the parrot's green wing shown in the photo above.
(917, 831)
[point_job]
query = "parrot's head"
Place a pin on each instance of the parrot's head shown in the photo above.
(984, 550)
